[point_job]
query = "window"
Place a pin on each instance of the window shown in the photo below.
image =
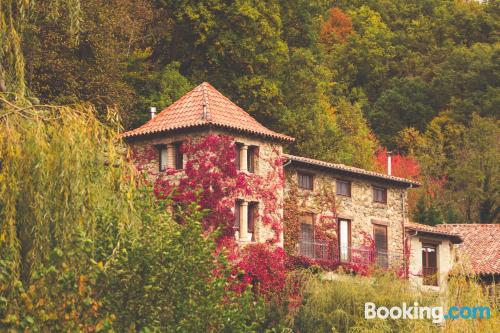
(343, 188)
(380, 194)
(306, 245)
(253, 211)
(237, 210)
(305, 181)
(380, 236)
(345, 240)
(163, 157)
(429, 264)
(179, 157)
(251, 158)
(237, 148)
(306, 241)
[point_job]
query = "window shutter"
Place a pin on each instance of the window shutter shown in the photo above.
(179, 158)
(237, 215)
(237, 148)
(251, 159)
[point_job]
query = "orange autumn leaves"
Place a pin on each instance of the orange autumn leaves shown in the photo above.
(336, 28)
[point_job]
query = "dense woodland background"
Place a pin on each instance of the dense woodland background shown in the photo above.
(346, 78)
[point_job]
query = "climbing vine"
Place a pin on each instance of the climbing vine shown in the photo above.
(323, 203)
(211, 179)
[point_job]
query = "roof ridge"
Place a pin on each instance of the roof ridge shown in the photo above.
(206, 106)
(349, 168)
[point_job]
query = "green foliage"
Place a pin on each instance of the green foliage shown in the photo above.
(12, 21)
(64, 194)
(158, 88)
(467, 81)
(406, 102)
(427, 213)
(466, 161)
(165, 278)
(235, 46)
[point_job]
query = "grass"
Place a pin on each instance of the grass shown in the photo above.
(337, 305)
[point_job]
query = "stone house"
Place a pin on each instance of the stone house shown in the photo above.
(365, 202)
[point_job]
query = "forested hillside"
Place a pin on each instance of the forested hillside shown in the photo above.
(420, 77)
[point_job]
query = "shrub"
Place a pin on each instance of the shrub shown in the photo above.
(264, 268)
(166, 278)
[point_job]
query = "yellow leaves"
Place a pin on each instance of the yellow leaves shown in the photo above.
(82, 280)
(40, 303)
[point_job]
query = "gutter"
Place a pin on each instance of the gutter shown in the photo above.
(287, 163)
(403, 226)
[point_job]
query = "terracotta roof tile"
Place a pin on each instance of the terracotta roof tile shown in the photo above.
(204, 105)
(350, 169)
(433, 230)
(481, 245)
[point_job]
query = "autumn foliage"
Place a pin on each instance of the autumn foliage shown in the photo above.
(402, 166)
(336, 28)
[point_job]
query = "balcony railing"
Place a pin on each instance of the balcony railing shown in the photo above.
(315, 250)
(320, 249)
(430, 276)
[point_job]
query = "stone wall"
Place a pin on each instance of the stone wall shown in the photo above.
(146, 156)
(359, 208)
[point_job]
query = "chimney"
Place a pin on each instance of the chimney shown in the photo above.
(152, 110)
(389, 163)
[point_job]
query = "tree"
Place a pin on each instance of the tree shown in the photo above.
(461, 161)
(401, 166)
(474, 182)
(363, 61)
(467, 81)
(336, 28)
(405, 102)
(236, 46)
(89, 64)
(358, 143)
(154, 86)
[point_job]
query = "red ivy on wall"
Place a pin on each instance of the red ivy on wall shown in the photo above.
(210, 178)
